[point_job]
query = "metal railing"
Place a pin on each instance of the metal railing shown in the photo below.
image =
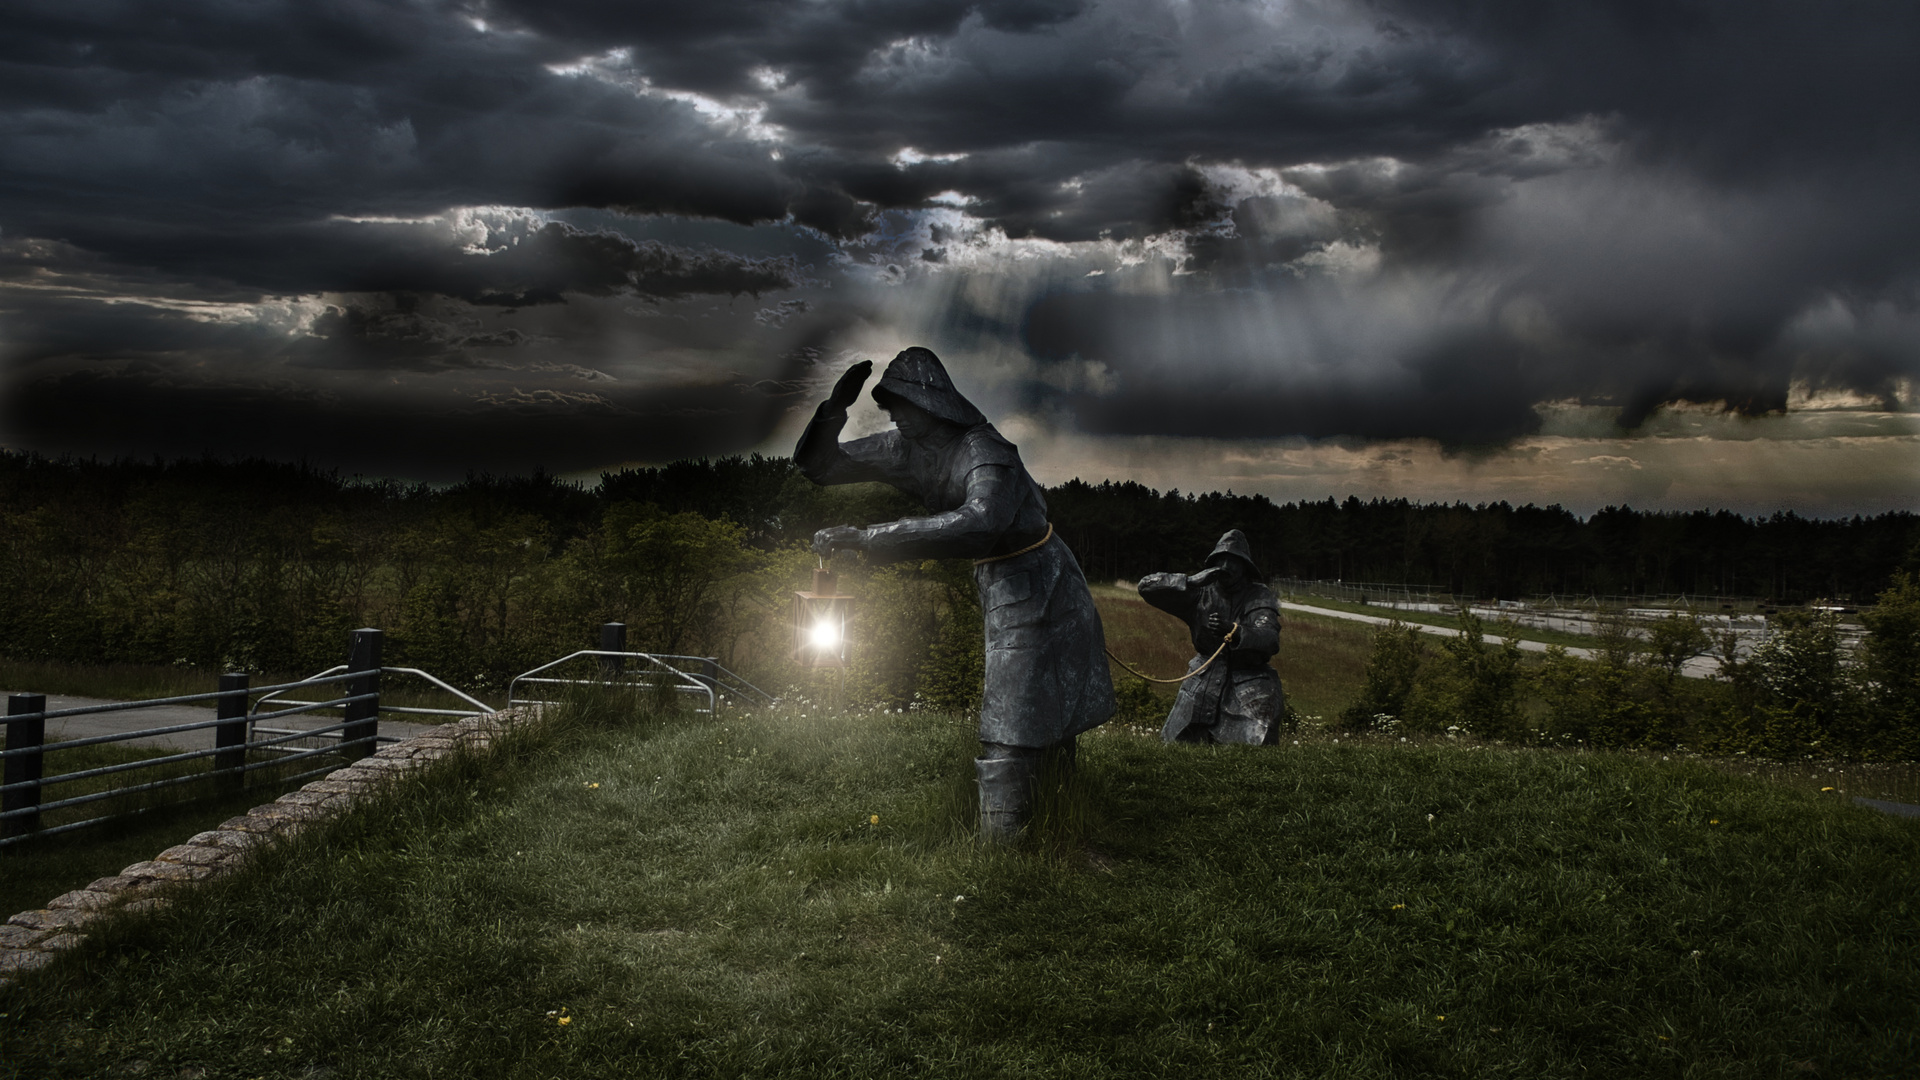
(238, 735)
(21, 804)
(660, 671)
(480, 708)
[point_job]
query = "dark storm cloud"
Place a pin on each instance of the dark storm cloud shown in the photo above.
(143, 409)
(1621, 200)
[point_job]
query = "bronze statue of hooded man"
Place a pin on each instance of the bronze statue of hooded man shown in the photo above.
(1237, 699)
(1046, 671)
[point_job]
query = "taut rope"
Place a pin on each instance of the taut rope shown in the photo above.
(1224, 642)
(1038, 544)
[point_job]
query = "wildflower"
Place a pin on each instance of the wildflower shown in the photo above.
(1715, 821)
(873, 819)
(565, 1020)
(1398, 907)
(1442, 1016)
(959, 899)
(1826, 789)
(592, 784)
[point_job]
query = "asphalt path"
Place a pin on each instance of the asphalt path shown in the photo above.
(87, 725)
(1700, 667)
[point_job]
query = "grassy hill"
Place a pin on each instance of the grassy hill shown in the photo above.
(788, 894)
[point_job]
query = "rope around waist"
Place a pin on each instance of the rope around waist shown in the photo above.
(1035, 546)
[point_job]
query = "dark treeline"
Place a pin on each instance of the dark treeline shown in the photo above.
(1125, 531)
(1492, 550)
(265, 565)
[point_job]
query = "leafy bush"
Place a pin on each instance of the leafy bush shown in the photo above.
(1392, 672)
(1471, 687)
(1890, 666)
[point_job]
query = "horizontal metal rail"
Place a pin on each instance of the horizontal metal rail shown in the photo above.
(189, 755)
(172, 729)
(660, 668)
(279, 742)
(55, 830)
(128, 706)
(169, 781)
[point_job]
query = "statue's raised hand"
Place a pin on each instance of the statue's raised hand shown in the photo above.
(847, 390)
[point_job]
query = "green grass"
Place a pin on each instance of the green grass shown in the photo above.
(723, 903)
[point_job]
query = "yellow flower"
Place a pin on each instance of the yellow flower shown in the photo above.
(1715, 821)
(1441, 1017)
(593, 785)
(874, 820)
(1826, 789)
(1398, 907)
(564, 1021)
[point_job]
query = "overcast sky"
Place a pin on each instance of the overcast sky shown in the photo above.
(1657, 252)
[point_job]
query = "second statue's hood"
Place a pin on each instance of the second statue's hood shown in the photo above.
(917, 376)
(1234, 543)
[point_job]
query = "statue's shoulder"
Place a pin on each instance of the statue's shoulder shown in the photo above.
(1261, 596)
(985, 446)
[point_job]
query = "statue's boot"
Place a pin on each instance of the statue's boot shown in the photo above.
(1006, 795)
(1010, 777)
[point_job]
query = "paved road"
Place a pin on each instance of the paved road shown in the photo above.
(1700, 667)
(90, 724)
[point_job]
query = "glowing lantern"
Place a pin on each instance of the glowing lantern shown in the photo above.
(820, 619)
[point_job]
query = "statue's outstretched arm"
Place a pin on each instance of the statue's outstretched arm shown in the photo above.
(969, 531)
(1175, 594)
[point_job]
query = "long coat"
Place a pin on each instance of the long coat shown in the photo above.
(1046, 670)
(1237, 699)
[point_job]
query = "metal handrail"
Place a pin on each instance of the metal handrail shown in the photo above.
(144, 733)
(126, 706)
(333, 675)
(691, 685)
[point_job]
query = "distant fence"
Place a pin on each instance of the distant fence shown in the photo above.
(1389, 595)
(1362, 592)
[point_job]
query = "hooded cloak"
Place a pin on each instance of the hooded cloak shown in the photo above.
(1046, 670)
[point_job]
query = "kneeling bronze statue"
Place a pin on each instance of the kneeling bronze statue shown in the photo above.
(1237, 699)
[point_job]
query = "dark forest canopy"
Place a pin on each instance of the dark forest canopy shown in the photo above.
(1118, 530)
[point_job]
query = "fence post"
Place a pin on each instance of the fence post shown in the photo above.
(613, 638)
(363, 717)
(230, 736)
(24, 768)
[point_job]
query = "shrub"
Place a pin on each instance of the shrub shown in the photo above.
(1391, 675)
(1471, 687)
(1890, 665)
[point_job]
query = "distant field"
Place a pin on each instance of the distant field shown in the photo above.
(1321, 659)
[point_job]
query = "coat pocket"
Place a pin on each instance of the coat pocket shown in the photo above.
(1011, 589)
